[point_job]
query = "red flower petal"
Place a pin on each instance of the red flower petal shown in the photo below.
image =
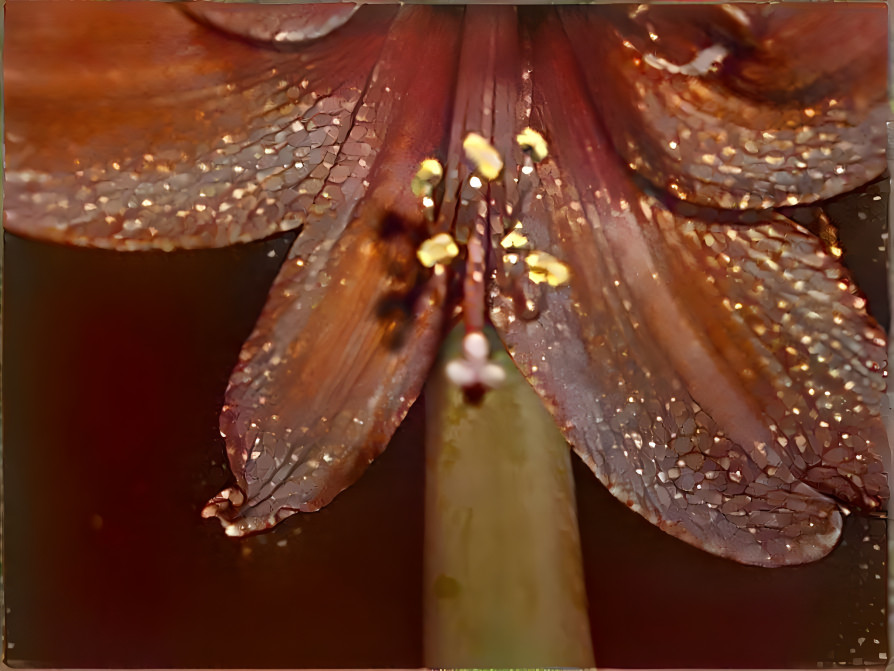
(282, 25)
(188, 140)
(353, 322)
(734, 135)
(672, 365)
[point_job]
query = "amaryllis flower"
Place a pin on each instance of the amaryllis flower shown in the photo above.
(602, 184)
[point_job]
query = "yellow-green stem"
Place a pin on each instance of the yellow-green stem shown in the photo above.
(504, 581)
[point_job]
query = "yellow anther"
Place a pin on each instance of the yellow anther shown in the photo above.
(438, 249)
(483, 156)
(515, 239)
(543, 267)
(532, 141)
(426, 178)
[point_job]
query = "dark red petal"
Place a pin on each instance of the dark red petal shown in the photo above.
(353, 321)
(642, 362)
(280, 25)
(791, 324)
(164, 134)
(756, 131)
(487, 92)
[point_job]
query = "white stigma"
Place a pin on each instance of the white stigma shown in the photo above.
(475, 368)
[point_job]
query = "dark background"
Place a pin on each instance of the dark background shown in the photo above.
(114, 368)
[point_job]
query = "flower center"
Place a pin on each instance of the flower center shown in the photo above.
(474, 371)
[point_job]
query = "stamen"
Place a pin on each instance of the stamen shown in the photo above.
(543, 267)
(532, 143)
(515, 239)
(483, 156)
(437, 250)
(426, 178)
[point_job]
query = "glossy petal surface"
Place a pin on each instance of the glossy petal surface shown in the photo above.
(210, 143)
(308, 408)
(739, 106)
(716, 403)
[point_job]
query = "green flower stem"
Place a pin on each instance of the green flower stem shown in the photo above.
(504, 582)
